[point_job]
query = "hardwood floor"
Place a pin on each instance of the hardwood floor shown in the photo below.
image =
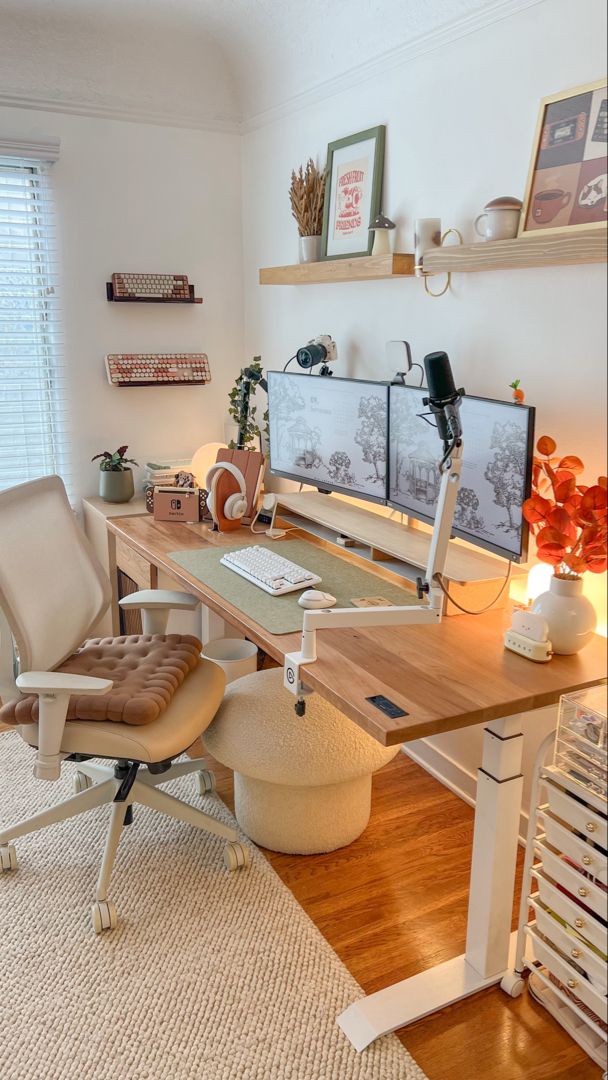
(395, 902)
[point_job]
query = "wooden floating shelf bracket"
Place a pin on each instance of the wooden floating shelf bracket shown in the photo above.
(365, 268)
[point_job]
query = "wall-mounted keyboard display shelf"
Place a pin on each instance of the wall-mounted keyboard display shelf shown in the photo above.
(127, 288)
(157, 369)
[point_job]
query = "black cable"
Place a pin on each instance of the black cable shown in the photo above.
(290, 361)
(447, 455)
(466, 611)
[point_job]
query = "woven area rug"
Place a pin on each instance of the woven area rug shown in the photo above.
(209, 975)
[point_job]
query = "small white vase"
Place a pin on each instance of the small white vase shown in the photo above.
(570, 615)
(310, 249)
(382, 243)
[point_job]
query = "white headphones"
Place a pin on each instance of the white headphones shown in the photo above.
(236, 505)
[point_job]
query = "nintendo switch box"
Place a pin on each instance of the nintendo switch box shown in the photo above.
(177, 503)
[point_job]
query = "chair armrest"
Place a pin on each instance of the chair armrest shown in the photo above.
(149, 599)
(54, 689)
(156, 605)
(57, 682)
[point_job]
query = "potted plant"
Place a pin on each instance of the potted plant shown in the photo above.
(307, 195)
(243, 411)
(570, 523)
(115, 476)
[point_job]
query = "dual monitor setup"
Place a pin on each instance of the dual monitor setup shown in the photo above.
(378, 442)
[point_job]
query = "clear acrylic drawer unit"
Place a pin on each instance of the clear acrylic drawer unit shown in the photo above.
(581, 742)
(562, 940)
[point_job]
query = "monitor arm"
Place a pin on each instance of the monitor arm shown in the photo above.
(428, 613)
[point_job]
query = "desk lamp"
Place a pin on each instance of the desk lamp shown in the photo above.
(444, 403)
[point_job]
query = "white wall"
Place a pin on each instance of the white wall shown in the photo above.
(141, 197)
(460, 125)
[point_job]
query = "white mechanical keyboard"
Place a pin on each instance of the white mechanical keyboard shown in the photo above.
(269, 571)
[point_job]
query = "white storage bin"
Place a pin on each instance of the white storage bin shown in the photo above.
(235, 656)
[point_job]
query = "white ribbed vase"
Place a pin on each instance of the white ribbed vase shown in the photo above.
(309, 249)
(570, 615)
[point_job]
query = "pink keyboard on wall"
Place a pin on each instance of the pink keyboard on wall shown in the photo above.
(157, 369)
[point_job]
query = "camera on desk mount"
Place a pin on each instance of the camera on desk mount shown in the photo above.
(321, 350)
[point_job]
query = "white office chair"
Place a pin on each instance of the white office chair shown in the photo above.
(52, 593)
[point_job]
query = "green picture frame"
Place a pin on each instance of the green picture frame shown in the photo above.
(353, 194)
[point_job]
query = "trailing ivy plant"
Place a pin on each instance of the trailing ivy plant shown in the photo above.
(243, 409)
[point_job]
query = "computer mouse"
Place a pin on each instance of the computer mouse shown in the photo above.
(314, 598)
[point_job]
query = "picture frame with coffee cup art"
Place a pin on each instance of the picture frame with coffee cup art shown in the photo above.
(567, 188)
(353, 193)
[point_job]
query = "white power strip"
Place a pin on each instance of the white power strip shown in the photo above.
(528, 636)
(539, 651)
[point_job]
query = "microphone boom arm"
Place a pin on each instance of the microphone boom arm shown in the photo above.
(406, 615)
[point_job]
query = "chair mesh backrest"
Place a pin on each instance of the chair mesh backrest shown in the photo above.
(52, 588)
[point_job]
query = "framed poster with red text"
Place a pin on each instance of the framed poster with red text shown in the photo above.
(353, 194)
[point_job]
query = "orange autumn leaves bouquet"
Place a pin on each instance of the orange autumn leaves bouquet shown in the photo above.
(568, 519)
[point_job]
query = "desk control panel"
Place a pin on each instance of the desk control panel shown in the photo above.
(387, 706)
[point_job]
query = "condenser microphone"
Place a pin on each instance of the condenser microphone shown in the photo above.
(443, 397)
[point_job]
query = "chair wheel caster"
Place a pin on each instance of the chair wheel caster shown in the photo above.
(236, 856)
(81, 782)
(104, 916)
(513, 984)
(8, 858)
(205, 781)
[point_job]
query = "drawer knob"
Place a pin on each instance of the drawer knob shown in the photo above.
(587, 860)
(575, 953)
(572, 983)
(583, 891)
(579, 923)
(591, 826)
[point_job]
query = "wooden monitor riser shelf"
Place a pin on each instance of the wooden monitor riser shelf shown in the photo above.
(474, 577)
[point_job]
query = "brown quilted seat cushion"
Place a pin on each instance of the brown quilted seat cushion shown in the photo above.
(146, 670)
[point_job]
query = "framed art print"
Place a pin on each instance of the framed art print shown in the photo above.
(353, 195)
(567, 187)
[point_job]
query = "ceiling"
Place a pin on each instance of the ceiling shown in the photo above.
(205, 62)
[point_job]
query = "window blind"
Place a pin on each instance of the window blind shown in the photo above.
(32, 378)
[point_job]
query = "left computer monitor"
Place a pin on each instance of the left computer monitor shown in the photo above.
(329, 433)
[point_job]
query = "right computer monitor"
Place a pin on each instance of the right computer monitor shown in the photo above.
(496, 468)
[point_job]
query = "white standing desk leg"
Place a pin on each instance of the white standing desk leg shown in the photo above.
(489, 938)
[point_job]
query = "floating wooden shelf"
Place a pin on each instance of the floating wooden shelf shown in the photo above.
(366, 268)
(192, 299)
(587, 246)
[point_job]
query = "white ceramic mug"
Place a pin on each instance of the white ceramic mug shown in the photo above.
(499, 222)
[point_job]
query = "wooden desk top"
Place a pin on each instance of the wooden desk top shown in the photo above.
(446, 677)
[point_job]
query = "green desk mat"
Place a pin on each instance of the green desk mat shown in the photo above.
(282, 614)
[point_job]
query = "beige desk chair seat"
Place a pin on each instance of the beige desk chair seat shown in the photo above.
(174, 731)
(52, 593)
